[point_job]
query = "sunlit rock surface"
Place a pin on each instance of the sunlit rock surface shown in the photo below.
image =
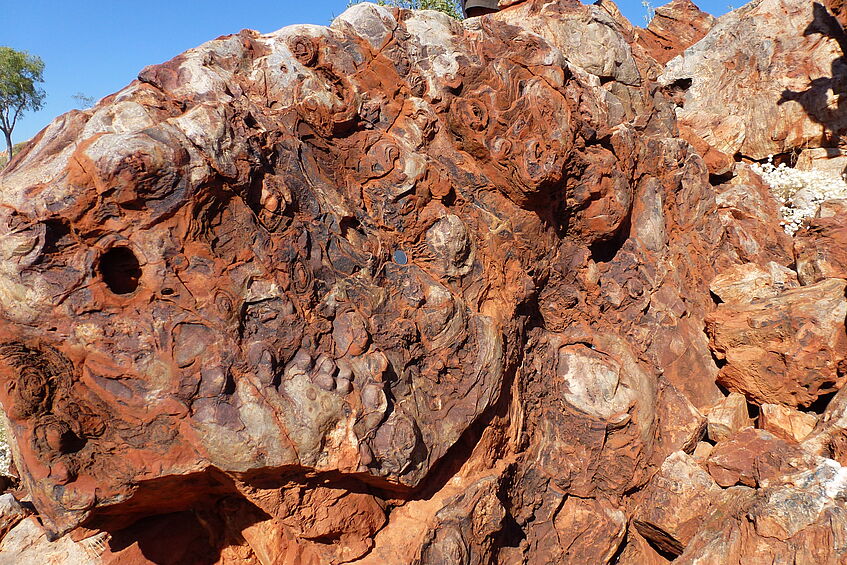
(412, 290)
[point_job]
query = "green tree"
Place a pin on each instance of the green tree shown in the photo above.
(449, 7)
(19, 73)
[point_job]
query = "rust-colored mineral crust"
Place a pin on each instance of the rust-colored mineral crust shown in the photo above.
(411, 290)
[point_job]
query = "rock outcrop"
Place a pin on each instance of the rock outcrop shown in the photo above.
(412, 290)
(675, 27)
(747, 92)
(789, 349)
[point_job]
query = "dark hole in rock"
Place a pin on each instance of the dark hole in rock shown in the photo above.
(720, 364)
(511, 534)
(682, 84)
(820, 404)
(167, 291)
(717, 180)
(606, 251)
(56, 237)
(400, 257)
(69, 442)
(753, 411)
(120, 270)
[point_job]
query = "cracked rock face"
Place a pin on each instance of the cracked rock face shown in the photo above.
(408, 290)
(303, 250)
(745, 90)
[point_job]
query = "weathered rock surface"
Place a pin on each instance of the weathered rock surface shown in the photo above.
(749, 282)
(786, 349)
(750, 217)
(831, 160)
(821, 248)
(675, 502)
(747, 91)
(413, 290)
(753, 457)
(829, 436)
(728, 417)
(675, 27)
(786, 422)
(799, 521)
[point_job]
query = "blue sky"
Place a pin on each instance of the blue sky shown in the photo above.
(98, 47)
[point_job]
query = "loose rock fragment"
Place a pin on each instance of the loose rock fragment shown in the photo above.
(753, 457)
(675, 503)
(727, 417)
(744, 284)
(785, 349)
(786, 422)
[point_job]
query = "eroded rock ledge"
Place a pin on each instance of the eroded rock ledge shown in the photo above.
(412, 290)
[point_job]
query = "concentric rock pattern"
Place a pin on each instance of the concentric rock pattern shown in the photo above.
(412, 290)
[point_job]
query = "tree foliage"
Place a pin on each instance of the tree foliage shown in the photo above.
(19, 73)
(450, 7)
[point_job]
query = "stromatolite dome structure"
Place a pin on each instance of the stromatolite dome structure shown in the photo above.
(309, 251)
(400, 282)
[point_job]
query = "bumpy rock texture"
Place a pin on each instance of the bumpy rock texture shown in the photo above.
(412, 290)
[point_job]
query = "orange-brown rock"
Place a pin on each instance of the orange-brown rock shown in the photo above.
(794, 521)
(750, 216)
(821, 248)
(829, 436)
(747, 92)
(399, 290)
(702, 451)
(681, 425)
(674, 503)
(728, 417)
(786, 349)
(675, 27)
(753, 457)
(717, 163)
(638, 551)
(749, 282)
(786, 422)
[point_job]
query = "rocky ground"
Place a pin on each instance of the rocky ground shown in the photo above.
(412, 290)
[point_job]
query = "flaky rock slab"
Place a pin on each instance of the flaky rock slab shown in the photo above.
(786, 349)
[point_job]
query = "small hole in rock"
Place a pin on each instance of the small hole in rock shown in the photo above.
(69, 442)
(167, 291)
(820, 404)
(120, 270)
(753, 411)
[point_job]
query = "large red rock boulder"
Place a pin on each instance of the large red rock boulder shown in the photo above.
(784, 350)
(821, 247)
(746, 90)
(399, 290)
(675, 502)
(792, 520)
